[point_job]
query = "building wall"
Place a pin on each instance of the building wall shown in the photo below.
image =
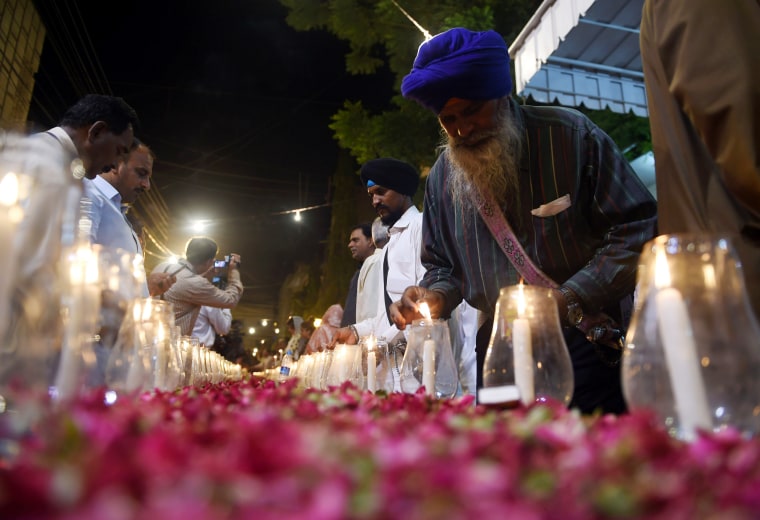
(21, 37)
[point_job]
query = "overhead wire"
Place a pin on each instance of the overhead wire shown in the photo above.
(70, 39)
(64, 41)
(92, 56)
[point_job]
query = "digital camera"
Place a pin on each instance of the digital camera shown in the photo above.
(221, 271)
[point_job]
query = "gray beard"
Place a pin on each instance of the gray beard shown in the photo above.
(487, 162)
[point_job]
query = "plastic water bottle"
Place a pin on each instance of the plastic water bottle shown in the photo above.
(285, 367)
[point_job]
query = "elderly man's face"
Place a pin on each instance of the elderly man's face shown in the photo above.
(484, 148)
(469, 121)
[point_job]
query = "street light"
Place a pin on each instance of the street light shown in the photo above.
(199, 226)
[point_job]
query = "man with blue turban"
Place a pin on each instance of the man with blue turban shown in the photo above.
(538, 194)
(391, 184)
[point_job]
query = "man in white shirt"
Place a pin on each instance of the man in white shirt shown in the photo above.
(110, 194)
(361, 246)
(391, 184)
(92, 135)
(369, 293)
(210, 322)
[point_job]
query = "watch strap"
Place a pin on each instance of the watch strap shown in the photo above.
(575, 313)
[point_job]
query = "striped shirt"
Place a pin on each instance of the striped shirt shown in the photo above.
(191, 291)
(592, 247)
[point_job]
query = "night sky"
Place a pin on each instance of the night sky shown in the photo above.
(236, 105)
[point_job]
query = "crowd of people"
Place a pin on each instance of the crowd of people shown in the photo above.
(544, 196)
(533, 193)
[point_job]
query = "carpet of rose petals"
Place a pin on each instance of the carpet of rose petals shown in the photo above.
(255, 449)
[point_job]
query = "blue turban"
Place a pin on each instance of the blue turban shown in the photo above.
(459, 63)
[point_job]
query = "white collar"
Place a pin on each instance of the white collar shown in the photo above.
(107, 189)
(405, 220)
(65, 140)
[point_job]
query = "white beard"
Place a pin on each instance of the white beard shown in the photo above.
(487, 162)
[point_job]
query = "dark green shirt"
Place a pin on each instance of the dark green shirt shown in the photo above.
(592, 247)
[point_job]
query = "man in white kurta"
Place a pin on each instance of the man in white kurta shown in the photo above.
(391, 184)
(369, 287)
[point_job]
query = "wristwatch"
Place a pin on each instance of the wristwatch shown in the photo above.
(574, 309)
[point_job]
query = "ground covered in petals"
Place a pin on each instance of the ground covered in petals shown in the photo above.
(255, 449)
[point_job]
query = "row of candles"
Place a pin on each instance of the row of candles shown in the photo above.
(692, 350)
(693, 344)
(111, 336)
(364, 365)
(77, 317)
(427, 363)
(692, 353)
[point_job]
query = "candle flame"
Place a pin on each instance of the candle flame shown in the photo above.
(424, 309)
(661, 270)
(83, 269)
(147, 309)
(521, 303)
(708, 270)
(161, 331)
(136, 311)
(138, 267)
(9, 189)
(91, 267)
(371, 342)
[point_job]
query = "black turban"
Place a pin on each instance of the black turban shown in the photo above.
(459, 63)
(391, 174)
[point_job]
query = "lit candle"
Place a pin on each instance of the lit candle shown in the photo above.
(135, 372)
(83, 310)
(681, 356)
(317, 370)
(342, 360)
(10, 214)
(428, 366)
(159, 373)
(371, 371)
(523, 351)
(371, 364)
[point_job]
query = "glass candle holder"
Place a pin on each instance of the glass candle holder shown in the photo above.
(38, 214)
(141, 357)
(187, 344)
(303, 373)
(345, 366)
(693, 346)
(428, 360)
(527, 358)
(376, 364)
(317, 373)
